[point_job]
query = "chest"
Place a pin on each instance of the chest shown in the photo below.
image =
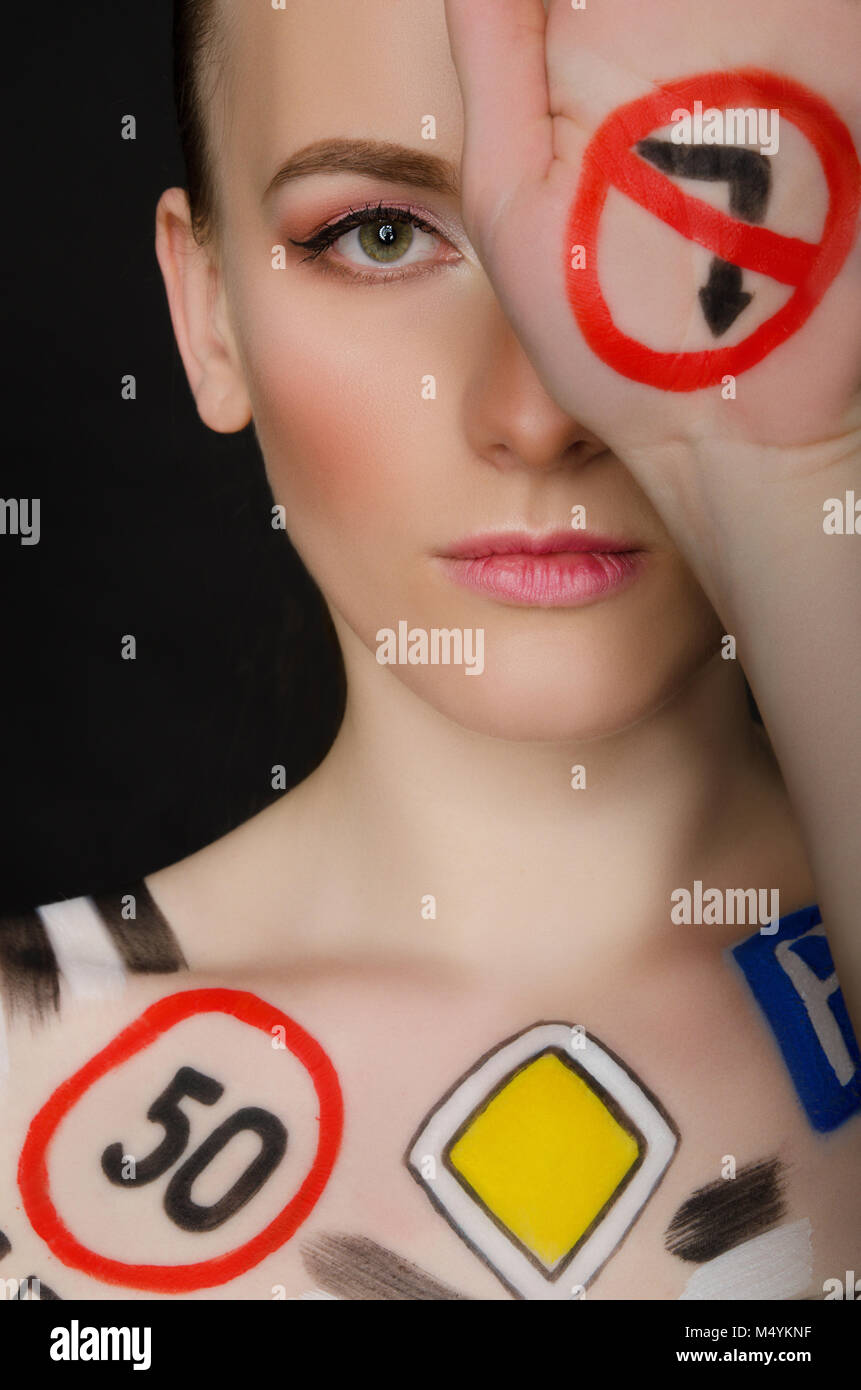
(397, 1134)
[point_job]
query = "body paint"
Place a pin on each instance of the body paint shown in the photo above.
(728, 1212)
(166, 1111)
(29, 977)
(749, 177)
(146, 942)
(80, 948)
(809, 268)
(354, 1267)
(89, 965)
(41, 1293)
(33, 1170)
(178, 1202)
(32, 1285)
(778, 1264)
(747, 172)
(792, 977)
(542, 1157)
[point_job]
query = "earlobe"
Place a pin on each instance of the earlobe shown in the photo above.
(208, 353)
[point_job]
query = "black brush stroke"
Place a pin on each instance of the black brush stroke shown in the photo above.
(29, 976)
(727, 1212)
(146, 943)
(357, 1268)
(46, 1294)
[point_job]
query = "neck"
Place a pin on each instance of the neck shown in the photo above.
(416, 805)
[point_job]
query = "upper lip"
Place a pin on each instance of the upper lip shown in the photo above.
(522, 543)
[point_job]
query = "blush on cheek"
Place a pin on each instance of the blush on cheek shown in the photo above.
(333, 440)
(332, 432)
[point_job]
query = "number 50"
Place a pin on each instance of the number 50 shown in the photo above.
(165, 1110)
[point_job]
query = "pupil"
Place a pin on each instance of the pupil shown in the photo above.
(386, 241)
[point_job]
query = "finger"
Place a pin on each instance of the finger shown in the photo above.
(498, 52)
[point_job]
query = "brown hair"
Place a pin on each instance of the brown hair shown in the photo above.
(195, 37)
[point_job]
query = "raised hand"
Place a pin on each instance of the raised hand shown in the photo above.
(611, 246)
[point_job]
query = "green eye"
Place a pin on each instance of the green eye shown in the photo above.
(386, 240)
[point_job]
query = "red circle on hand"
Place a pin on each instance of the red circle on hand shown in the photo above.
(609, 161)
(33, 1177)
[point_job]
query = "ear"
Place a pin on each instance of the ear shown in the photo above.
(200, 322)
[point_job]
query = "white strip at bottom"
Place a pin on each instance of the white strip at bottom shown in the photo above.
(777, 1265)
(88, 961)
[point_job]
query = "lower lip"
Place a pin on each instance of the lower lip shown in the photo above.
(562, 580)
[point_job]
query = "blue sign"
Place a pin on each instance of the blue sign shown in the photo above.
(792, 976)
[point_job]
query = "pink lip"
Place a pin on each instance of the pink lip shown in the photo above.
(560, 570)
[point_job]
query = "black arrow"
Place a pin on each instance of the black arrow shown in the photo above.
(747, 173)
(723, 297)
(749, 177)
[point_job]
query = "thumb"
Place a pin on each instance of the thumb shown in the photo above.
(498, 47)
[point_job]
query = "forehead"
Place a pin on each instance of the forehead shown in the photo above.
(323, 68)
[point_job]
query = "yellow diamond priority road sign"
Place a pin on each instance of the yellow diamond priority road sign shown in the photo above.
(543, 1156)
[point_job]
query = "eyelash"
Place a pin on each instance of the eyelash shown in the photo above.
(325, 238)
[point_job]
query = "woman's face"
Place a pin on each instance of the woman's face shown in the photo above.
(381, 471)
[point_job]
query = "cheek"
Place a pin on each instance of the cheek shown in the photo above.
(336, 401)
(324, 433)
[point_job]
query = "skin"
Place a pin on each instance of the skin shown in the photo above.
(741, 489)
(551, 904)
(623, 687)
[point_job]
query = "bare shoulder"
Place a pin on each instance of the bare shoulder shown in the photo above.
(234, 902)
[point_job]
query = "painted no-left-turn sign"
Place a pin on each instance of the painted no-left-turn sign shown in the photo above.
(610, 161)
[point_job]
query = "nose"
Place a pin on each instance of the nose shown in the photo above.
(509, 418)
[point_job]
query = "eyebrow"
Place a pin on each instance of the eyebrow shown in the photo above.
(378, 159)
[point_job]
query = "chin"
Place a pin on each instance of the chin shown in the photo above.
(547, 701)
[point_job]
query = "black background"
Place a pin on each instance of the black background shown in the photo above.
(150, 524)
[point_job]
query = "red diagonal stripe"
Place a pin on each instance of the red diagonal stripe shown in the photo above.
(785, 259)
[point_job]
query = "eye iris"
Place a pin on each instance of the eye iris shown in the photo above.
(385, 240)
